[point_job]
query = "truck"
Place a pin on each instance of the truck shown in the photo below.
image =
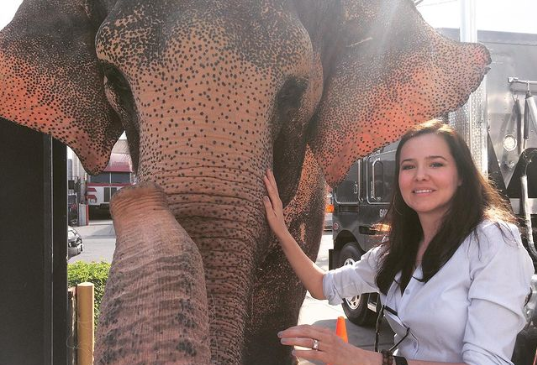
(500, 127)
(100, 188)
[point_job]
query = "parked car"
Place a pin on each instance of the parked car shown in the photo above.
(74, 242)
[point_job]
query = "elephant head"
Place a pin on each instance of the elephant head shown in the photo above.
(210, 95)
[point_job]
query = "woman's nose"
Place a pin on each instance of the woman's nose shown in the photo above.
(421, 173)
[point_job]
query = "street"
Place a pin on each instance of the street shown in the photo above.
(99, 242)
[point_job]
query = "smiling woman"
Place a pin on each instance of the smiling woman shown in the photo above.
(452, 252)
(439, 198)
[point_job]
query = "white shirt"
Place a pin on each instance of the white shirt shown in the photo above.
(470, 311)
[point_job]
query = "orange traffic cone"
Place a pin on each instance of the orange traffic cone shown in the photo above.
(341, 329)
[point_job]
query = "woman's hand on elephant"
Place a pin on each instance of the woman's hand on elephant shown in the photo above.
(321, 344)
(309, 274)
(274, 207)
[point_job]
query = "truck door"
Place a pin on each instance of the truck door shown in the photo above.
(379, 179)
(348, 191)
(380, 175)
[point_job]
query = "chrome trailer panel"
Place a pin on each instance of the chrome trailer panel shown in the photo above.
(494, 114)
(509, 60)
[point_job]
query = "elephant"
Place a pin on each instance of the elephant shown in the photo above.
(211, 94)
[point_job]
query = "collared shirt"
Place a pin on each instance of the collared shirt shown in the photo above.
(470, 311)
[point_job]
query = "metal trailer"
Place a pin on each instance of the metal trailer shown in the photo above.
(499, 123)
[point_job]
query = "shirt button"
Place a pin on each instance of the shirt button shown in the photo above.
(407, 291)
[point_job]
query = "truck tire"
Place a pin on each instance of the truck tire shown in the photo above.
(355, 308)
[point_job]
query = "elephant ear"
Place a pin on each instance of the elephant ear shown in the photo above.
(390, 71)
(51, 81)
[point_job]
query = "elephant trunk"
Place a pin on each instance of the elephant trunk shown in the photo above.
(229, 235)
(154, 310)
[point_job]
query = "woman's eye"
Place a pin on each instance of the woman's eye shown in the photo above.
(407, 167)
(437, 164)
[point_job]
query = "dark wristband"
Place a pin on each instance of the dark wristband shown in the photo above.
(399, 360)
(387, 357)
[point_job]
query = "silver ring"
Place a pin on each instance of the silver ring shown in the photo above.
(315, 345)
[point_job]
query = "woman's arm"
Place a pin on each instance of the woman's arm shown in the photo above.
(501, 271)
(309, 274)
(332, 350)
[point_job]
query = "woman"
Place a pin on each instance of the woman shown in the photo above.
(453, 276)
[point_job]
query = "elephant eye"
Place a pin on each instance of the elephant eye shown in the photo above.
(116, 79)
(290, 96)
(292, 90)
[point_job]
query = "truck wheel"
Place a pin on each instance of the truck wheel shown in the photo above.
(355, 308)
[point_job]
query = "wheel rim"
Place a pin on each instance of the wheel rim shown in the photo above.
(353, 302)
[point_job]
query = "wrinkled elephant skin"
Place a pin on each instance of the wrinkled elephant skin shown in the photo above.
(210, 94)
(154, 258)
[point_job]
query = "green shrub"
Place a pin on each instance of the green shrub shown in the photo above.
(93, 272)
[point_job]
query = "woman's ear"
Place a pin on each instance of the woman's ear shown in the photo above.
(393, 70)
(51, 80)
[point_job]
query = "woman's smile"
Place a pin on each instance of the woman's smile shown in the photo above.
(423, 191)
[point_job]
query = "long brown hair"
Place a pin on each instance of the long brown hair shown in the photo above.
(475, 200)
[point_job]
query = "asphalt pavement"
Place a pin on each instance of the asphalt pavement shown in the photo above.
(99, 239)
(99, 243)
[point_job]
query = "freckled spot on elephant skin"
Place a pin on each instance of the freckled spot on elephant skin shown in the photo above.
(185, 321)
(185, 305)
(110, 338)
(303, 232)
(110, 354)
(113, 311)
(187, 348)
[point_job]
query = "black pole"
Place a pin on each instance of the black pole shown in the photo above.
(33, 240)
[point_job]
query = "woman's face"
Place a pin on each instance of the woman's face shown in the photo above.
(428, 177)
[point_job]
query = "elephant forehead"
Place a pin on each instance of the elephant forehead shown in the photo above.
(136, 36)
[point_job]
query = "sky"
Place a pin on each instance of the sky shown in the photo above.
(498, 15)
